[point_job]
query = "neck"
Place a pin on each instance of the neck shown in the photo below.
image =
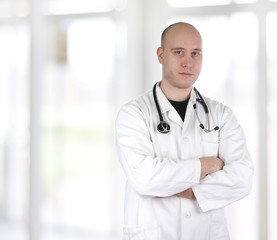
(175, 93)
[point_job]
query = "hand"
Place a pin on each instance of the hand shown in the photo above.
(186, 194)
(210, 165)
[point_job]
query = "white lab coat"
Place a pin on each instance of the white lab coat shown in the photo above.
(158, 166)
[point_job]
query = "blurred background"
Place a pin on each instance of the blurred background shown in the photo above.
(66, 67)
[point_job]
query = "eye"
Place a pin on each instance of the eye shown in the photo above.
(179, 53)
(195, 54)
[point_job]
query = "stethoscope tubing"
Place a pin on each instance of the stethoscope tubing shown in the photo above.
(164, 127)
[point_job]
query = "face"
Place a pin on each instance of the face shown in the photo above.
(181, 56)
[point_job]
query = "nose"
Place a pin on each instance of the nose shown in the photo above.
(186, 62)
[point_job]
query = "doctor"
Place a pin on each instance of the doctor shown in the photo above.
(184, 155)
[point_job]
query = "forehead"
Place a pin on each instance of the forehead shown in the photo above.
(182, 36)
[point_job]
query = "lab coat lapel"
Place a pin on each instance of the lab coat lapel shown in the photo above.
(174, 116)
(189, 111)
(167, 107)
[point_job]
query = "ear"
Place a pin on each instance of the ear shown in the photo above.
(160, 52)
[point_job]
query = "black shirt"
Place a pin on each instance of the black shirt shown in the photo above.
(181, 107)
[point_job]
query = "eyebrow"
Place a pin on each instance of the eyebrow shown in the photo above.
(181, 48)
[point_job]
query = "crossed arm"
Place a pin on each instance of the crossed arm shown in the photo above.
(152, 175)
(208, 165)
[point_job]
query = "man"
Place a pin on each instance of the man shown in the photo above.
(180, 176)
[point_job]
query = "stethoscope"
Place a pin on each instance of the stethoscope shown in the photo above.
(164, 127)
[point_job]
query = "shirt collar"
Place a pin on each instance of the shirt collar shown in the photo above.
(165, 104)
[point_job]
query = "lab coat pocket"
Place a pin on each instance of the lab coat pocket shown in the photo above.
(141, 233)
(209, 144)
(219, 229)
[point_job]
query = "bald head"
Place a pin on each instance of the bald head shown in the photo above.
(181, 57)
(176, 27)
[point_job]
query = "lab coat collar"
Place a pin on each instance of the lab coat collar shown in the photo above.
(166, 106)
(163, 101)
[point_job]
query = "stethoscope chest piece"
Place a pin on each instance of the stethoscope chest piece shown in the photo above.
(163, 127)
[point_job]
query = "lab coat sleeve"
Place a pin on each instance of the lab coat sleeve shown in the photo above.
(235, 180)
(147, 173)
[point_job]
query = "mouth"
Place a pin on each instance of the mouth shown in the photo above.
(186, 74)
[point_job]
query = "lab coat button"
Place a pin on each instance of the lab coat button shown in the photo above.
(185, 139)
(188, 214)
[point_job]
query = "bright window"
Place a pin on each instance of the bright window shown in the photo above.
(77, 162)
(14, 8)
(193, 3)
(83, 6)
(272, 121)
(14, 130)
(245, 1)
